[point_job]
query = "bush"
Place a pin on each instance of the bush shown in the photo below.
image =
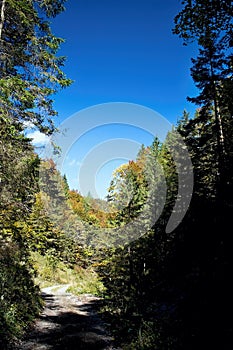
(52, 271)
(19, 297)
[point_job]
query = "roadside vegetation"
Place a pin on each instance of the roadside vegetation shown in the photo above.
(80, 280)
(165, 290)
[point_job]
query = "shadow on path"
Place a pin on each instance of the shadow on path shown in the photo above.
(66, 323)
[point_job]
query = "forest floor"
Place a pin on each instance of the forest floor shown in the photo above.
(67, 322)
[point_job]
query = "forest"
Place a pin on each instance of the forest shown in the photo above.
(164, 290)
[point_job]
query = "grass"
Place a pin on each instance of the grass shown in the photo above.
(52, 272)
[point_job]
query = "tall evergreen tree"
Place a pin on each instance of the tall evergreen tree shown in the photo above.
(19, 301)
(30, 71)
(206, 237)
(209, 23)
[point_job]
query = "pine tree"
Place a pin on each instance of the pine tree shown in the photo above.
(210, 24)
(19, 301)
(30, 71)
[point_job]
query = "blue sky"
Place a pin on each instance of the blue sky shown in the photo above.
(124, 51)
(121, 51)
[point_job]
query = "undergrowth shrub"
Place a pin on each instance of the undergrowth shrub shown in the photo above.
(19, 297)
(52, 271)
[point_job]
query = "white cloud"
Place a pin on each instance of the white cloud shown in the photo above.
(38, 138)
(28, 125)
(73, 162)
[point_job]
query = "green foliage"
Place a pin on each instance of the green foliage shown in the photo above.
(86, 282)
(19, 298)
(163, 290)
(127, 191)
(156, 286)
(51, 271)
(30, 71)
(210, 24)
(53, 224)
(17, 170)
(43, 235)
(198, 16)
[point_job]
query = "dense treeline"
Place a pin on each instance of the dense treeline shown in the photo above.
(164, 288)
(170, 290)
(30, 72)
(173, 291)
(19, 301)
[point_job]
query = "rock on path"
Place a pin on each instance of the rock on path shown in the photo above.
(67, 322)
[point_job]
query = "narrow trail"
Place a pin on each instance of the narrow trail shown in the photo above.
(67, 322)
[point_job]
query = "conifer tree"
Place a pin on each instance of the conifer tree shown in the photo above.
(209, 23)
(30, 71)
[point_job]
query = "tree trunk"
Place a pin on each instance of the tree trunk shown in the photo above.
(2, 18)
(221, 152)
(219, 128)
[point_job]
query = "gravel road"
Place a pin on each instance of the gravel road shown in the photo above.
(67, 322)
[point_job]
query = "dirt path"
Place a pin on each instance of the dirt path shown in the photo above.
(67, 322)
